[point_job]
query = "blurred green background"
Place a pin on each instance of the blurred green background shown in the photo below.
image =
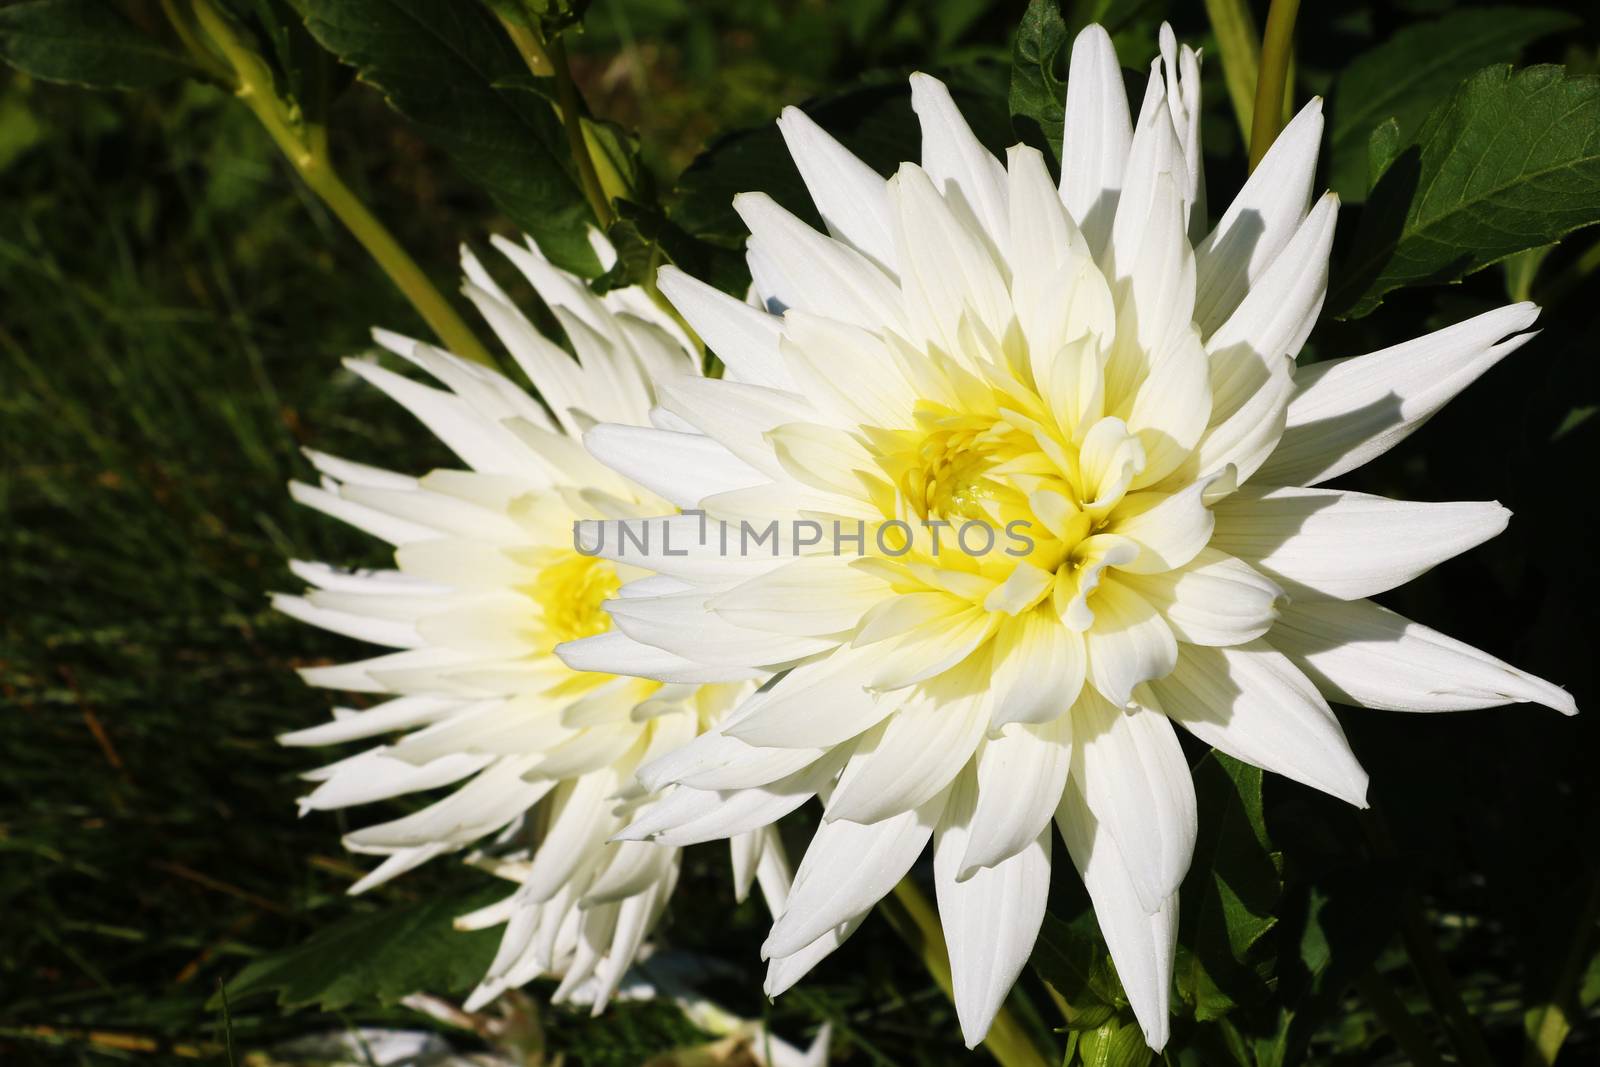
(173, 307)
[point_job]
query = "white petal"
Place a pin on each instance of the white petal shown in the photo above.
(850, 196)
(847, 869)
(784, 971)
(1169, 528)
(947, 269)
(1096, 134)
(682, 623)
(810, 595)
(846, 371)
(1360, 653)
(815, 704)
(1345, 412)
(379, 631)
(1259, 222)
(1273, 319)
(1142, 944)
(680, 467)
(907, 758)
(817, 273)
(743, 337)
(1020, 777)
(1214, 600)
(1134, 776)
(1321, 543)
(617, 653)
(990, 919)
(1039, 669)
(1128, 643)
(1253, 704)
(961, 168)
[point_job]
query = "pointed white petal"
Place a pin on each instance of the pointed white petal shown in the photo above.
(743, 337)
(847, 869)
(968, 174)
(1322, 543)
(1260, 220)
(1345, 412)
(1020, 777)
(1135, 778)
(1253, 704)
(1142, 944)
(990, 919)
(850, 196)
(1096, 134)
(1360, 653)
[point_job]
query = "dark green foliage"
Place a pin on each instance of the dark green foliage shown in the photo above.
(1038, 76)
(450, 68)
(175, 305)
(1410, 72)
(378, 956)
(1511, 161)
(86, 42)
(1231, 894)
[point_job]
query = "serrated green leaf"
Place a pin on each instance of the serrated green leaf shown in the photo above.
(1409, 73)
(378, 957)
(449, 68)
(1511, 161)
(88, 43)
(1230, 892)
(1038, 76)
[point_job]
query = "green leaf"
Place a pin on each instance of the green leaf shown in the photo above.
(1382, 147)
(1230, 892)
(1072, 959)
(1114, 1044)
(1405, 76)
(645, 238)
(1511, 161)
(88, 43)
(379, 956)
(1038, 76)
(449, 68)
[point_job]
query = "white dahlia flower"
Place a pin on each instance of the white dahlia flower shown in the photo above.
(486, 583)
(1042, 465)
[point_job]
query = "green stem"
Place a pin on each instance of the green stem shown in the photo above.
(306, 152)
(1553, 1023)
(1235, 28)
(572, 120)
(1392, 1013)
(1277, 48)
(1437, 983)
(916, 921)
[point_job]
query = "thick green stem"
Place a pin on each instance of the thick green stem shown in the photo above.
(306, 151)
(572, 119)
(1391, 1012)
(916, 921)
(1277, 49)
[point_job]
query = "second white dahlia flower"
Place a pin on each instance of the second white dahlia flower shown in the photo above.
(534, 755)
(1012, 480)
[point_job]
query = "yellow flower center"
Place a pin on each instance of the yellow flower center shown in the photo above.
(570, 592)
